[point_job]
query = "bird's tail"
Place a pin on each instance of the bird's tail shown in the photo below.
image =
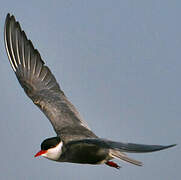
(122, 156)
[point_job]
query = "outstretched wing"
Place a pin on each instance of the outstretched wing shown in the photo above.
(40, 84)
(117, 149)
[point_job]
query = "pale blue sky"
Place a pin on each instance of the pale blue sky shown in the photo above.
(119, 62)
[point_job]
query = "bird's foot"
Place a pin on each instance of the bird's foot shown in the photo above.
(112, 164)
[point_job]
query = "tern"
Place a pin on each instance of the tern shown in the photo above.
(75, 142)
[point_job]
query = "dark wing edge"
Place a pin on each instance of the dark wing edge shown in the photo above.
(118, 150)
(40, 84)
(140, 148)
(26, 61)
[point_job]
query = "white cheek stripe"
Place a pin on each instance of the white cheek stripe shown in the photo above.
(54, 153)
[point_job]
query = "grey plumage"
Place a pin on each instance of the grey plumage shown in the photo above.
(77, 142)
(117, 149)
(40, 84)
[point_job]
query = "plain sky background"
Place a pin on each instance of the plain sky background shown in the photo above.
(119, 62)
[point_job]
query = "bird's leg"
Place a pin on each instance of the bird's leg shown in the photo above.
(112, 164)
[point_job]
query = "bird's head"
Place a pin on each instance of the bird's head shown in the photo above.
(51, 148)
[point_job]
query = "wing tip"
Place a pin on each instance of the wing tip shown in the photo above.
(172, 145)
(10, 17)
(20, 50)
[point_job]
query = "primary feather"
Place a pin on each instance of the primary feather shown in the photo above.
(40, 84)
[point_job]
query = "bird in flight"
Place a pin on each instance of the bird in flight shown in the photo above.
(75, 142)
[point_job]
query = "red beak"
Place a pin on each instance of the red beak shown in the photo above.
(40, 153)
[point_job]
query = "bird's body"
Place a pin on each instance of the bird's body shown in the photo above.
(84, 153)
(75, 142)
